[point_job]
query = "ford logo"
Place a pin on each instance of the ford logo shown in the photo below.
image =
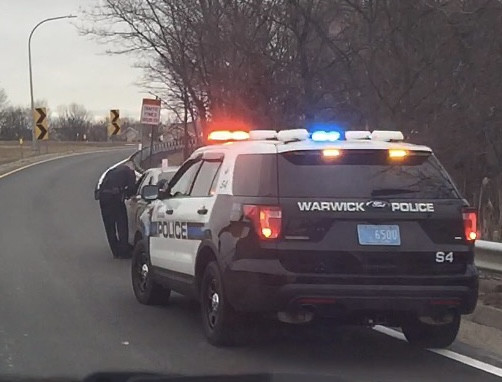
(377, 204)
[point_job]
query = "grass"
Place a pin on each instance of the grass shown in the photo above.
(11, 151)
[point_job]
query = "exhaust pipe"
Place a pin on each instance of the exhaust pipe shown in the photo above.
(303, 316)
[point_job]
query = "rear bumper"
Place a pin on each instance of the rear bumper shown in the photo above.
(264, 286)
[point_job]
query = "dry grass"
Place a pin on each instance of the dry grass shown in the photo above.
(11, 151)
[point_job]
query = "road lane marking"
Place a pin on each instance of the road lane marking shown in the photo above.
(446, 353)
(58, 157)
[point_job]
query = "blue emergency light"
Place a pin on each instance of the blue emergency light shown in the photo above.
(326, 132)
(325, 136)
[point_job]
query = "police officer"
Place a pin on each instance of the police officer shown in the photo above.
(117, 185)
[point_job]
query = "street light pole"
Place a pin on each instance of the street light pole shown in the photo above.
(34, 138)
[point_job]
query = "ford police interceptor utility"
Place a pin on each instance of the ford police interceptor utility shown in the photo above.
(359, 227)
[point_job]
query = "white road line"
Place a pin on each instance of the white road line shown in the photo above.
(51, 159)
(390, 332)
(446, 353)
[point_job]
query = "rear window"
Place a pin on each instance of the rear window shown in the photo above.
(255, 175)
(363, 174)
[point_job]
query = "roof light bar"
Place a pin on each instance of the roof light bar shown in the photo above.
(262, 135)
(325, 136)
(387, 136)
(225, 135)
(240, 135)
(357, 135)
(293, 135)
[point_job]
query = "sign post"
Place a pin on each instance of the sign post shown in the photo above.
(150, 115)
(21, 147)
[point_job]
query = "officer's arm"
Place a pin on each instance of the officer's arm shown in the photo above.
(131, 183)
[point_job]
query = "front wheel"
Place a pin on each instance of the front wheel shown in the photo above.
(219, 319)
(146, 289)
(431, 334)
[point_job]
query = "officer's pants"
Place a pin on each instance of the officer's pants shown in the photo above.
(114, 215)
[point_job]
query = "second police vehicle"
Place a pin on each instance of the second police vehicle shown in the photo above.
(358, 227)
(136, 206)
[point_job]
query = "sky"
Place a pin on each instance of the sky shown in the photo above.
(67, 67)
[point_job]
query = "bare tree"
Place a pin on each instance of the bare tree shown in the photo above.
(3, 99)
(15, 123)
(430, 68)
(73, 122)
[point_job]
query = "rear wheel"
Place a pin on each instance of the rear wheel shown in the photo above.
(431, 334)
(146, 289)
(219, 319)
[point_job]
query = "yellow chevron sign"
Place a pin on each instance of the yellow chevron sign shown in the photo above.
(114, 125)
(41, 127)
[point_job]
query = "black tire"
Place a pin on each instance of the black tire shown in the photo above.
(220, 321)
(426, 335)
(146, 290)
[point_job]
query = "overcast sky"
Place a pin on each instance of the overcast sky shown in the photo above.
(66, 66)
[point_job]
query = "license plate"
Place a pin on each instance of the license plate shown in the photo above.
(378, 234)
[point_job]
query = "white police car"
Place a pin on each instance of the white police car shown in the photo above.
(359, 227)
(135, 205)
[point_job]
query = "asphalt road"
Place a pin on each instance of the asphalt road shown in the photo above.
(67, 307)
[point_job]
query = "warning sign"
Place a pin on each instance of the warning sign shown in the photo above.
(150, 111)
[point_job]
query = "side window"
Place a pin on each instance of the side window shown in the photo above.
(212, 191)
(183, 185)
(205, 178)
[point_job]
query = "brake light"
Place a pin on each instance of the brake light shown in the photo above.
(267, 220)
(330, 153)
(397, 153)
(470, 224)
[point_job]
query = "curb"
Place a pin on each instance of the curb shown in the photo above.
(61, 156)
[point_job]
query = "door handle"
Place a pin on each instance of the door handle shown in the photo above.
(202, 211)
(169, 212)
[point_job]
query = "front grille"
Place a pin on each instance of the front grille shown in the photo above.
(372, 263)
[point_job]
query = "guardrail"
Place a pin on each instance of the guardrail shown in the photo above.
(143, 160)
(488, 255)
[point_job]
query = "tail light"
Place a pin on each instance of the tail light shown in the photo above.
(470, 217)
(266, 220)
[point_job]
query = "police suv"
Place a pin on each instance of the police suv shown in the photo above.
(358, 227)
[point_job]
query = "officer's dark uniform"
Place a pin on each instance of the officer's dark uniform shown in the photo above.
(118, 184)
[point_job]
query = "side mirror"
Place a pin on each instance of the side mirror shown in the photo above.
(150, 193)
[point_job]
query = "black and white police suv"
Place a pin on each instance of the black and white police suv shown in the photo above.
(361, 228)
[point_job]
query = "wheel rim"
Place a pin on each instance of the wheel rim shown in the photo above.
(142, 272)
(213, 302)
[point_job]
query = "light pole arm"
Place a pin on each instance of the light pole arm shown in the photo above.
(34, 142)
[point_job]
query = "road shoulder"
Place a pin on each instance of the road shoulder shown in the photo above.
(11, 167)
